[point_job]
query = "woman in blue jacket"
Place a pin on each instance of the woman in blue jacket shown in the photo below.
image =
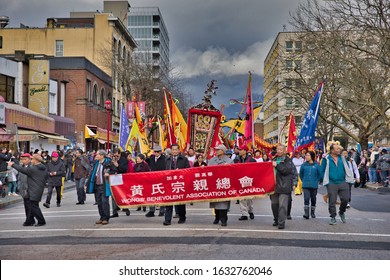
(310, 175)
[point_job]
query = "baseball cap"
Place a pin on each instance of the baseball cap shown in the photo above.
(221, 147)
(54, 154)
(26, 155)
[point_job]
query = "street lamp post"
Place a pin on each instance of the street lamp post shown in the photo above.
(107, 106)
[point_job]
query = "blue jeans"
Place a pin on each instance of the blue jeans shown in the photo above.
(12, 187)
(384, 176)
(103, 203)
(372, 175)
(81, 197)
(310, 195)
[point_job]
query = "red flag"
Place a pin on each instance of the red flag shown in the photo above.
(292, 134)
(168, 122)
(248, 131)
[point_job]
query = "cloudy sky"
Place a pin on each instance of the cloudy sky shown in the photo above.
(209, 39)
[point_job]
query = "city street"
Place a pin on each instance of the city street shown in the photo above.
(71, 233)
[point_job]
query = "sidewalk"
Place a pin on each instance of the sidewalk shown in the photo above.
(8, 200)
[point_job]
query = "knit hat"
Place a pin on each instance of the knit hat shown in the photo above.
(54, 154)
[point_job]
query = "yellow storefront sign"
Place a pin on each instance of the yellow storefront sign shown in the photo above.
(38, 88)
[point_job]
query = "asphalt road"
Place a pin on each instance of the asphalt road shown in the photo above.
(71, 233)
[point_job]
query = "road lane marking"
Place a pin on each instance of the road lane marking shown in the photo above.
(202, 230)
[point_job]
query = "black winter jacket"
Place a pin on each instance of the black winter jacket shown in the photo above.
(58, 167)
(286, 176)
(37, 177)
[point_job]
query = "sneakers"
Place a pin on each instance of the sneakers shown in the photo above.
(348, 206)
(281, 226)
(216, 222)
(149, 214)
(342, 217)
(243, 218)
(116, 215)
(275, 224)
(47, 205)
(99, 222)
(289, 217)
(104, 222)
(251, 216)
(166, 223)
(58, 204)
(333, 221)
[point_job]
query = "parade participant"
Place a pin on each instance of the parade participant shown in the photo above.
(298, 160)
(191, 156)
(157, 163)
(246, 205)
(81, 171)
(355, 171)
(257, 156)
(176, 161)
(98, 184)
(221, 208)
(310, 175)
(121, 163)
(141, 166)
(56, 170)
(286, 180)
(36, 180)
(336, 176)
(25, 160)
(200, 161)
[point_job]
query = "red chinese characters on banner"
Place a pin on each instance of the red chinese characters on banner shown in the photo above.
(130, 106)
(211, 183)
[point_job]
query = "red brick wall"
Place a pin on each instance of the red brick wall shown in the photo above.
(77, 106)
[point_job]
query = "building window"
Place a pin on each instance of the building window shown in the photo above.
(289, 83)
(289, 64)
(53, 99)
(289, 102)
(7, 88)
(289, 46)
(312, 64)
(102, 99)
(298, 64)
(94, 95)
(298, 46)
(59, 48)
(88, 89)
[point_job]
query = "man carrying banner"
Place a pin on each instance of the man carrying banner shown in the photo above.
(176, 161)
(246, 205)
(98, 183)
(221, 207)
(156, 163)
(286, 180)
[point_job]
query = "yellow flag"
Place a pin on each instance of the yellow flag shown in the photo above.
(136, 136)
(179, 125)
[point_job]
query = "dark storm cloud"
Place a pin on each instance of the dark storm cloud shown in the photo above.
(209, 39)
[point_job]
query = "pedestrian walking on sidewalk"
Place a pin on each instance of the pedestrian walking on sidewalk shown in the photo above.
(37, 176)
(336, 177)
(56, 170)
(355, 171)
(310, 175)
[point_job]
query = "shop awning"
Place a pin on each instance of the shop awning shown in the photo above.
(55, 139)
(23, 135)
(88, 133)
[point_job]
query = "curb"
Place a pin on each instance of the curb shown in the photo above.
(4, 202)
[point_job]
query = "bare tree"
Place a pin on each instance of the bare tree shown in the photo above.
(348, 43)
